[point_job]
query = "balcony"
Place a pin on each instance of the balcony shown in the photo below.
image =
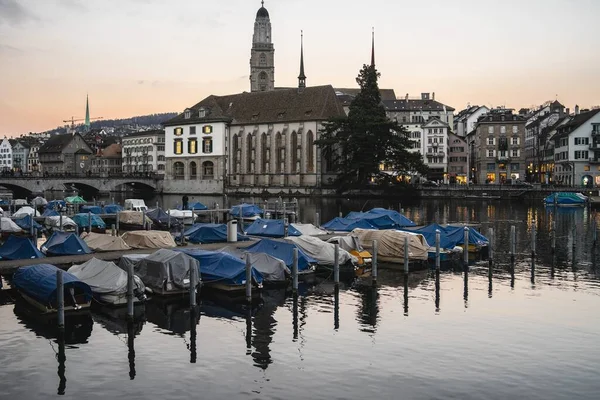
(595, 132)
(595, 146)
(503, 158)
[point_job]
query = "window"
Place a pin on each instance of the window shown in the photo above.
(582, 141)
(515, 152)
(515, 141)
(491, 166)
(503, 129)
(262, 79)
(441, 140)
(193, 170)
(161, 158)
(161, 167)
(192, 130)
(207, 129)
(490, 153)
(192, 146)
(202, 113)
(160, 148)
(207, 145)
(581, 154)
(515, 129)
(490, 129)
(208, 171)
(586, 167)
(514, 167)
(490, 141)
(187, 114)
(178, 131)
(263, 59)
(310, 155)
(178, 146)
(178, 170)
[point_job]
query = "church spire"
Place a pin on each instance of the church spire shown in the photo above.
(373, 48)
(301, 77)
(87, 113)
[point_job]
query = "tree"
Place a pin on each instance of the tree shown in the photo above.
(359, 144)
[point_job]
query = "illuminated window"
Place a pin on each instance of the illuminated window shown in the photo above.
(192, 146)
(178, 146)
(586, 167)
(207, 129)
(178, 131)
(207, 145)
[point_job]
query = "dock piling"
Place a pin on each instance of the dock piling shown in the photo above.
(117, 223)
(89, 222)
(533, 238)
(466, 248)
(169, 220)
(317, 220)
(35, 236)
(295, 271)
(77, 230)
(130, 291)
(406, 258)
(437, 249)
(553, 236)
(60, 299)
(60, 221)
(31, 227)
(336, 264)
(193, 284)
(490, 250)
(113, 230)
(144, 220)
(285, 227)
(513, 243)
(248, 280)
(374, 262)
(594, 232)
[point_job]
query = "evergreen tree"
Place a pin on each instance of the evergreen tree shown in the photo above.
(358, 144)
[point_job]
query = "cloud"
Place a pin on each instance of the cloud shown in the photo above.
(12, 12)
(8, 49)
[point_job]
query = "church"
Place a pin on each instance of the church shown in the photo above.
(253, 142)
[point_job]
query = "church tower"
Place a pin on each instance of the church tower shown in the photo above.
(262, 58)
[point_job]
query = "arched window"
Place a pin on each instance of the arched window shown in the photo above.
(208, 170)
(178, 170)
(193, 170)
(278, 149)
(264, 153)
(235, 148)
(249, 158)
(161, 158)
(310, 152)
(294, 152)
(263, 59)
(262, 80)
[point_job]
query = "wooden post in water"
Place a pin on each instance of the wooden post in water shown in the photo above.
(574, 239)
(60, 221)
(77, 230)
(317, 220)
(374, 262)
(553, 236)
(113, 230)
(406, 259)
(144, 219)
(169, 220)
(466, 248)
(513, 243)
(248, 280)
(490, 249)
(533, 239)
(295, 270)
(60, 299)
(117, 222)
(89, 222)
(35, 237)
(193, 284)
(437, 250)
(336, 264)
(31, 227)
(130, 291)
(157, 205)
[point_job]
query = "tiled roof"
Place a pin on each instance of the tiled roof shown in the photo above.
(317, 103)
(575, 123)
(56, 143)
(415, 105)
(145, 133)
(386, 94)
(112, 151)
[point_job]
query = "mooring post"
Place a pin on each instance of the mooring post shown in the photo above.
(130, 291)
(336, 264)
(285, 227)
(553, 236)
(60, 221)
(533, 238)
(317, 220)
(182, 234)
(466, 248)
(77, 230)
(399, 207)
(143, 219)
(169, 220)
(60, 299)
(35, 237)
(406, 258)
(157, 205)
(295, 270)
(513, 243)
(284, 216)
(594, 232)
(89, 221)
(340, 214)
(248, 280)
(374, 262)
(193, 284)
(437, 249)
(117, 222)
(31, 227)
(113, 230)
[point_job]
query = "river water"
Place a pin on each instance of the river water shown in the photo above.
(516, 335)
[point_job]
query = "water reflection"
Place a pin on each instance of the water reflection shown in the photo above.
(131, 332)
(336, 307)
(265, 326)
(437, 290)
(62, 358)
(466, 286)
(173, 316)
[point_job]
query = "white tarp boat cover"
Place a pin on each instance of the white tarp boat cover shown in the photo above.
(105, 278)
(272, 269)
(391, 244)
(133, 217)
(26, 210)
(182, 214)
(104, 242)
(348, 243)
(166, 271)
(54, 222)
(149, 239)
(131, 259)
(321, 251)
(8, 225)
(39, 201)
(309, 229)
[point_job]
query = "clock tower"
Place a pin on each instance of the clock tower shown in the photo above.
(262, 58)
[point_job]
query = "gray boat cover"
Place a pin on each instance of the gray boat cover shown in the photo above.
(149, 239)
(132, 259)
(391, 244)
(321, 251)
(104, 277)
(54, 222)
(348, 243)
(26, 210)
(167, 270)
(133, 217)
(272, 269)
(8, 225)
(309, 229)
(104, 242)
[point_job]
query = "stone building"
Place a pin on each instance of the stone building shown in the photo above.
(20, 156)
(262, 55)
(144, 152)
(108, 161)
(458, 159)
(497, 147)
(66, 154)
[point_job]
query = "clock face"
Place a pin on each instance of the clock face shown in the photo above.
(207, 129)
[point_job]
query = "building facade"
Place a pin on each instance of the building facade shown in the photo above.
(497, 150)
(108, 161)
(536, 140)
(466, 120)
(435, 157)
(262, 55)
(144, 153)
(20, 156)
(66, 154)
(33, 161)
(458, 159)
(6, 160)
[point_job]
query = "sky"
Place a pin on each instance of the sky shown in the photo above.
(136, 57)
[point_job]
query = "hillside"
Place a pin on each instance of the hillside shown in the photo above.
(152, 119)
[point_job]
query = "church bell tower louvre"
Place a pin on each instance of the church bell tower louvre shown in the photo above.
(262, 58)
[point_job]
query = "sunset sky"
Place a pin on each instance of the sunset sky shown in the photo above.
(136, 57)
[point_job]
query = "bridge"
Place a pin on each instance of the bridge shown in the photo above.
(94, 183)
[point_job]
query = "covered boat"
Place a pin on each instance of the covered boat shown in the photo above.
(131, 259)
(309, 229)
(351, 244)
(197, 206)
(167, 272)
(284, 251)
(26, 210)
(246, 211)
(112, 208)
(391, 244)
(19, 248)
(451, 236)
(379, 221)
(56, 205)
(39, 201)
(37, 285)
(222, 271)
(83, 221)
(322, 252)
(53, 222)
(273, 270)
(64, 244)
(271, 228)
(339, 224)
(132, 220)
(26, 223)
(92, 209)
(8, 226)
(400, 220)
(75, 200)
(103, 242)
(48, 212)
(185, 216)
(209, 233)
(149, 239)
(160, 219)
(107, 281)
(566, 199)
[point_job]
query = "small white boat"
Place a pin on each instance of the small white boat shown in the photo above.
(187, 217)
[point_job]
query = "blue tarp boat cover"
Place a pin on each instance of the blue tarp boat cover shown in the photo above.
(283, 251)
(197, 206)
(271, 228)
(400, 220)
(249, 210)
(64, 244)
(39, 282)
(566, 199)
(379, 221)
(82, 220)
(210, 233)
(221, 267)
(112, 208)
(3, 202)
(50, 213)
(19, 248)
(55, 204)
(92, 209)
(26, 222)
(347, 225)
(161, 218)
(450, 236)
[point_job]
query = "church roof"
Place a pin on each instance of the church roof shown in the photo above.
(317, 103)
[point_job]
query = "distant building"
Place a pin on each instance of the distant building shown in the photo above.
(6, 162)
(547, 174)
(262, 55)
(66, 154)
(144, 152)
(33, 162)
(458, 159)
(108, 161)
(466, 120)
(20, 156)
